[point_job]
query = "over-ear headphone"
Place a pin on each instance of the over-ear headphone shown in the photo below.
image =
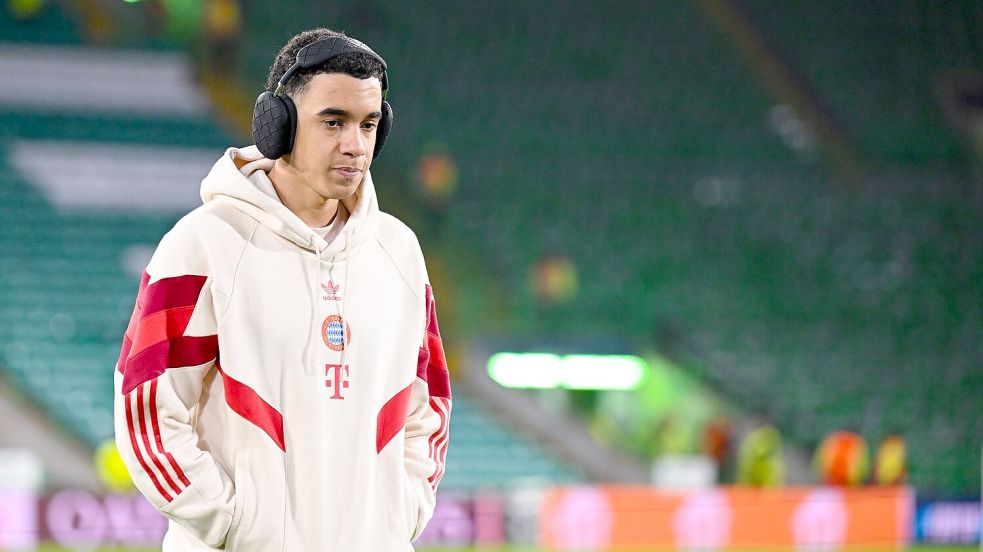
(275, 115)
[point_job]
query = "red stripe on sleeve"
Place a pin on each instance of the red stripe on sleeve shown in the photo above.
(123, 353)
(442, 443)
(443, 424)
(137, 308)
(156, 428)
(438, 378)
(439, 440)
(136, 451)
(132, 325)
(154, 339)
(441, 453)
(392, 418)
(160, 326)
(172, 353)
(146, 442)
(167, 293)
(244, 401)
(422, 360)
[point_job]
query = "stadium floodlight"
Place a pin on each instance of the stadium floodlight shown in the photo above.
(602, 371)
(577, 372)
(525, 370)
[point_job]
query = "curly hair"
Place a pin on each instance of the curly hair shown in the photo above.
(356, 64)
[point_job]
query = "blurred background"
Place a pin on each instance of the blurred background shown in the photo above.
(709, 272)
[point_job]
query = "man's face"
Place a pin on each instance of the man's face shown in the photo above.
(337, 117)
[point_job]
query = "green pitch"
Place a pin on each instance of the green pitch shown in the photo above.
(533, 549)
(53, 548)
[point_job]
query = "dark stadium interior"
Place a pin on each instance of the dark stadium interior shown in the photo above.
(772, 197)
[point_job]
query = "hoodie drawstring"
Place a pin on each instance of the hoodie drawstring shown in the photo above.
(345, 338)
(315, 302)
(315, 308)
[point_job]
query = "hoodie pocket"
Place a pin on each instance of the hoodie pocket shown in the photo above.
(401, 520)
(243, 500)
(412, 516)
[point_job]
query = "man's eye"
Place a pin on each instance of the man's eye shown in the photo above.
(333, 123)
(368, 126)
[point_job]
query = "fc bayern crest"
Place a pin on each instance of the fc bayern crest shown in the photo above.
(335, 332)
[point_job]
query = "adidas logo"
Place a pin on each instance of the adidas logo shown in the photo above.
(331, 291)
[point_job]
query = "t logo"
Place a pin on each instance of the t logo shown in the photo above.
(340, 378)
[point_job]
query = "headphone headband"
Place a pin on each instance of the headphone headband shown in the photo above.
(316, 53)
(275, 115)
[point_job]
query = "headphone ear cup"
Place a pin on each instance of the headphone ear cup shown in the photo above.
(292, 122)
(385, 125)
(274, 125)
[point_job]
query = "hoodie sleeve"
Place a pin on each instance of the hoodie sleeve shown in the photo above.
(170, 346)
(428, 423)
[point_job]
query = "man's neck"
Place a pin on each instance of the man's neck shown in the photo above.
(311, 207)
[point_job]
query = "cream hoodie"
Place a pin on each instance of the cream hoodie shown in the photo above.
(276, 392)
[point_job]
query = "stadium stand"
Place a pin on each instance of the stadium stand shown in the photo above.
(88, 183)
(68, 301)
(45, 25)
(878, 68)
(65, 302)
(102, 80)
(486, 453)
(657, 166)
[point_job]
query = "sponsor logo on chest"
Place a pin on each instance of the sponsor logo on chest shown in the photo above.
(336, 378)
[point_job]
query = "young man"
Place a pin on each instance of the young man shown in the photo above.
(282, 383)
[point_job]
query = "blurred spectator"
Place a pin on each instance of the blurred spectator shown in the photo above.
(604, 429)
(671, 437)
(760, 463)
(155, 13)
(554, 279)
(677, 463)
(436, 176)
(716, 445)
(842, 460)
(222, 24)
(891, 461)
(25, 10)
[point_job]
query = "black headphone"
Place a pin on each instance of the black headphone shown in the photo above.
(275, 115)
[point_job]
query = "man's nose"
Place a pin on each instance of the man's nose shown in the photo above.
(353, 142)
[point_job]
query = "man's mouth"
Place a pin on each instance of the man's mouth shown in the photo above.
(348, 172)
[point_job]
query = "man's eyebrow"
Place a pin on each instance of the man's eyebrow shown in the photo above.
(338, 112)
(333, 111)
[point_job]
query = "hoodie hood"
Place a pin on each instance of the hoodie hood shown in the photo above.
(241, 176)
